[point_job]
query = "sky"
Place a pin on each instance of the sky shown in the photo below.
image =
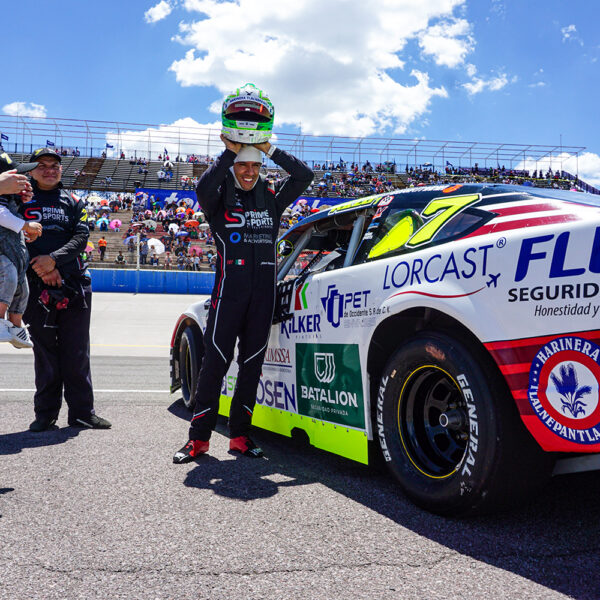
(500, 71)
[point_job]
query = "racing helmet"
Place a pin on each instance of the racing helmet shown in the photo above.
(247, 115)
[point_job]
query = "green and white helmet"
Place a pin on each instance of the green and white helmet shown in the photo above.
(247, 115)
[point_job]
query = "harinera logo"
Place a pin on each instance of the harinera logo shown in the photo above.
(325, 366)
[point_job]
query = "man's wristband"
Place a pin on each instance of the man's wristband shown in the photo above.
(271, 150)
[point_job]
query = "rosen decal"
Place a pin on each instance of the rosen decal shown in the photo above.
(563, 388)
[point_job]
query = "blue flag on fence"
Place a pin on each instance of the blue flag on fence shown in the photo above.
(109, 146)
(49, 144)
(166, 151)
(4, 137)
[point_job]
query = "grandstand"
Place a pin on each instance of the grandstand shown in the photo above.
(103, 156)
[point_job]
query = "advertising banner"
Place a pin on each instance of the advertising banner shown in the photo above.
(329, 383)
(145, 197)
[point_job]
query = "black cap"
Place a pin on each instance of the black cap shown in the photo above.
(7, 163)
(37, 154)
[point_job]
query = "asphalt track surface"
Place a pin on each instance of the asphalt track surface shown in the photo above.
(105, 514)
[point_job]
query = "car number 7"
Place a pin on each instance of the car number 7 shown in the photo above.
(449, 206)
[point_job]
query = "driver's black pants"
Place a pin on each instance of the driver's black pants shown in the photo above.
(245, 315)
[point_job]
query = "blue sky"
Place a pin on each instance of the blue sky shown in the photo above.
(483, 70)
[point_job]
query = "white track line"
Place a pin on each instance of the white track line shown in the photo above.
(95, 391)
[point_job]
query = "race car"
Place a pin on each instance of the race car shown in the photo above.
(454, 327)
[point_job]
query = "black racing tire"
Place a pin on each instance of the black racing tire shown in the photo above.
(190, 358)
(480, 457)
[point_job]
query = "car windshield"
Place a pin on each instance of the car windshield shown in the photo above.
(404, 223)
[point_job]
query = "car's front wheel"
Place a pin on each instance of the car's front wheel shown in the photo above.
(450, 432)
(190, 357)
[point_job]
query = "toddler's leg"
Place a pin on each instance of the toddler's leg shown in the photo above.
(8, 287)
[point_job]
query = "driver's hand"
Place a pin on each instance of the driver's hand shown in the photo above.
(233, 146)
(263, 146)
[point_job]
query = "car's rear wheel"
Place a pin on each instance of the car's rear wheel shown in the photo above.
(190, 357)
(450, 432)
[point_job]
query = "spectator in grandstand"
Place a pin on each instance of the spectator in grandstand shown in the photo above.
(232, 189)
(102, 244)
(14, 290)
(59, 306)
(143, 251)
(168, 261)
(154, 260)
(120, 259)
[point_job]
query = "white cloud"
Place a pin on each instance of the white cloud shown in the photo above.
(158, 12)
(493, 84)
(587, 165)
(569, 34)
(537, 84)
(184, 136)
(447, 42)
(326, 66)
(24, 109)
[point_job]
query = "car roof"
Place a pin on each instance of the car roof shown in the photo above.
(423, 194)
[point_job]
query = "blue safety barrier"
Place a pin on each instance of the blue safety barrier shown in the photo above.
(148, 281)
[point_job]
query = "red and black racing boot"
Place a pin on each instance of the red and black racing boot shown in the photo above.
(190, 451)
(246, 446)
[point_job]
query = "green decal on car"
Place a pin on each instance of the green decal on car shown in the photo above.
(329, 383)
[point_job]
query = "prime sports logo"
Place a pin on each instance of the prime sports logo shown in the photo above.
(564, 383)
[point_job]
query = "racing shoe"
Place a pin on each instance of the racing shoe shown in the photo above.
(190, 451)
(246, 446)
(42, 424)
(20, 337)
(91, 422)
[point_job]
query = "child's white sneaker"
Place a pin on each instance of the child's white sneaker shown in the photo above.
(20, 337)
(5, 331)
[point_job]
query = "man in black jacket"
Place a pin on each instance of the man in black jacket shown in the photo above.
(60, 300)
(244, 213)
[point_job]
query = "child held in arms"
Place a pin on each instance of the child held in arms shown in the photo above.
(14, 258)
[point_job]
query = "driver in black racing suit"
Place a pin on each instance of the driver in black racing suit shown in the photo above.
(243, 211)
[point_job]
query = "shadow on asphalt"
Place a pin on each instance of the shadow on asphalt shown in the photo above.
(179, 410)
(553, 541)
(13, 443)
(240, 478)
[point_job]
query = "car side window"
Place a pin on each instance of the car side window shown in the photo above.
(402, 229)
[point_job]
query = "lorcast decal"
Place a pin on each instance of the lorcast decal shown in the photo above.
(563, 388)
(329, 383)
(438, 268)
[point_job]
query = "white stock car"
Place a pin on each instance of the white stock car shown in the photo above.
(457, 327)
